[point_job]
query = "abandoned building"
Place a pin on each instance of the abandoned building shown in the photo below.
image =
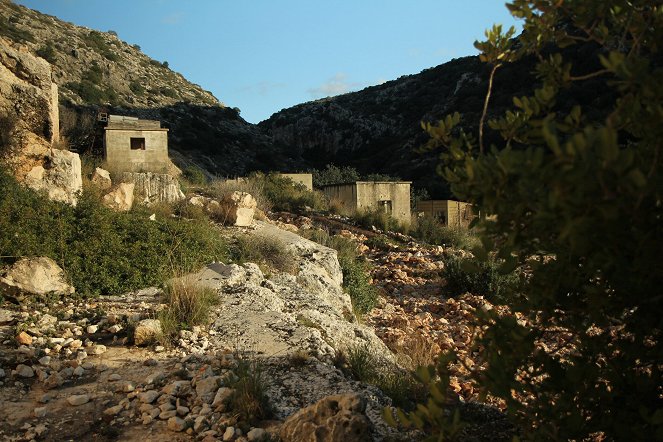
(393, 197)
(135, 145)
(448, 212)
(305, 179)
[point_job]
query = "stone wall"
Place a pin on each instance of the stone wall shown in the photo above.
(120, 156)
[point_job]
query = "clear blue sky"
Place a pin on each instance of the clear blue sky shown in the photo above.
(266, 55)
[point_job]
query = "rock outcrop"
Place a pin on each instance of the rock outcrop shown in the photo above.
(59, 175)
(36, 276)
(121, 198)
(337, 418)
(238, 208)
(152, 188)
(285, 313)
(27, 92)
(101, 178)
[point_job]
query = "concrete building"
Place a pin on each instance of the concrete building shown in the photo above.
(134, 145)
(306, 179)
(391, 196)
(448, 212)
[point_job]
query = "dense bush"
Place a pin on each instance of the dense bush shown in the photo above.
(101, 251)
(479, 278)
(286, 195)
(577, 202)
(334, 175)
(429, 230)
(47, 52)
(379, 219)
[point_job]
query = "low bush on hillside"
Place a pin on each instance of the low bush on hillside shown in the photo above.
(379, 219)
(400, 385)
(429, 230)
(194, 176)
(47, 52)
(263, 250)
(95, 41)
(102, 251)
(479, 278)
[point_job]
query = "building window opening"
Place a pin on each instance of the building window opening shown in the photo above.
(137, 143)
(385, 206)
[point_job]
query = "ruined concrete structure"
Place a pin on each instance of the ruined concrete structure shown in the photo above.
(393, 197)
(134, 145)
(448, 212)
(306, 179)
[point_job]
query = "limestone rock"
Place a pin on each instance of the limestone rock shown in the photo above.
(36, 275)
(154, 188)
(102, 178)
(121, 198)
(176, 424)
(59, 176)
(28, 92)
(337, 418)
(78, 399)
(147, 331)
(238, 208)
(24, 371)
(24, 339)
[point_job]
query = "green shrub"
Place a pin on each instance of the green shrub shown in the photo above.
(429, 230)
(334, 175)
(576, 198)
(95, 41)
(379, 219)
(137, 88)
(286, 195)
(480, 277)
(47, 52)
(102, 251)
(9, 29)
(194, 175)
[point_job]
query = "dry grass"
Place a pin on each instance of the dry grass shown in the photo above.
(249, 400)
(188, 304)
(219, 189)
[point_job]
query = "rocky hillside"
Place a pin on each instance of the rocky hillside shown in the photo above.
(379, 129)
(98, 71)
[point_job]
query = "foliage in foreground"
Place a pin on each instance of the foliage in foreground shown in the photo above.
(249, 398)
(578, 203)
(101, 251)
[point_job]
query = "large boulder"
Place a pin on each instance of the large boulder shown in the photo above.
(152, 188)
(238, 208)
(101, 178)
(337, 418)
(37, 276)
(121, 198)
(59, 175)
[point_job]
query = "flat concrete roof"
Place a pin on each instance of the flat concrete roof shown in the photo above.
(352, 183)
(138, 129)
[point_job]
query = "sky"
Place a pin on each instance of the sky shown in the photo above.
(266, 55)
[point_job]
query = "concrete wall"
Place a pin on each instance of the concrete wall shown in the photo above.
(302, 178)
(343, 194)
(449, 212)
(120, 156)
(393, 197)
